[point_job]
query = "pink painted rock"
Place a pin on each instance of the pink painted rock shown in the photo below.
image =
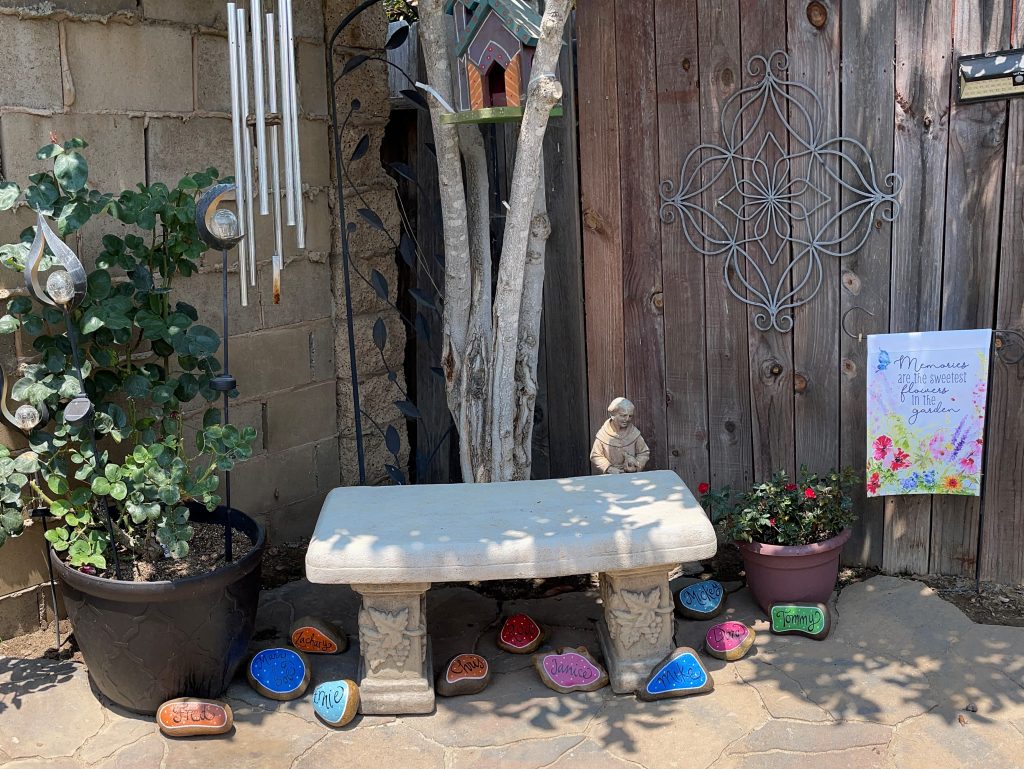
(520, 635)
(729, 640)
(189, 717)
(464, 674)
(570, 670)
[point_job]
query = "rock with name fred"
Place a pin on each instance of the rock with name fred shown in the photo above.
(189, 717)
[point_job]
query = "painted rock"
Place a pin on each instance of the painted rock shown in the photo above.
(520, 635)
(280, 674)
(570, 670)
(464, 674)
(188, 716)
(729, 640)
(680, 674)
(336, 702)
(701, 600)
(316, 636)
(796, 618)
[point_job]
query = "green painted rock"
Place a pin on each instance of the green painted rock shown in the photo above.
(317, 636)
(796, 618)
(680, 674)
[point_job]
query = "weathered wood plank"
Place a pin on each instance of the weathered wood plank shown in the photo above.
(682, 267)
(762, 31)
(868, 29)
(729, 435)
(974, 195)
(644, 356)
(814, 60)
(602, 216)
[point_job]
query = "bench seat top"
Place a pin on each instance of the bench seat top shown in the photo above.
(523, 529)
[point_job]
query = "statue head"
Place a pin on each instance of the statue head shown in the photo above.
(620, 411)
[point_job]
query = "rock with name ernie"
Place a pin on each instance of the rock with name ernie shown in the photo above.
(701, 600)
(279, 673)
(317, 636)
(464, 674)
(680, 674)
(189, 716)
(570, 670)
(798, 618)
(729, 641)
(520, 635)
(336, 702)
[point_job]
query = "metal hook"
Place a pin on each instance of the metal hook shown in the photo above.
(858, 337)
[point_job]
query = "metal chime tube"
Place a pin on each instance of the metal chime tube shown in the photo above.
(249, 227)
(275, 164)
(290, 79)
(289, 182)
(261, 111)
(238, 128)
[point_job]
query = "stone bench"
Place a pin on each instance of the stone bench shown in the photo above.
(390, 543)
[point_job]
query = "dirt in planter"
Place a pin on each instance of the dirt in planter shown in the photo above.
(205, 553)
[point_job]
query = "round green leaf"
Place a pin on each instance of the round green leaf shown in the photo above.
(9, 192)
(71, 170)
(101, 486)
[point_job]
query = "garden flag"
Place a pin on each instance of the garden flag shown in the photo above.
(926, 412)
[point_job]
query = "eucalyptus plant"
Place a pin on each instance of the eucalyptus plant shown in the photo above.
(143, 356)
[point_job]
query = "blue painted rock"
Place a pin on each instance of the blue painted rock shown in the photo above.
(520, 635)
(799, 618)
(701, 600)
(280, 674)
(680, 674)
(317, 636)
(336, 702)
(570, 670)
(729, 640)
(190, 716)
(464, 674)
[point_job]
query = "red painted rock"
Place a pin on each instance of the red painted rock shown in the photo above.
(729, 640)
(316, 636)
(188, 717)
(464, 674)
(520, 635)
(570, 670)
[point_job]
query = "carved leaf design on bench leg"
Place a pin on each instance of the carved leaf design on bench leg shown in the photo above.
(635, 615)
(384, 637)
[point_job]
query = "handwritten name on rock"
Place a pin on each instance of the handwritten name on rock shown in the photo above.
(808, 619)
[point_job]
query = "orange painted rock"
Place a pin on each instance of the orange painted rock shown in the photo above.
(188, 716)
(464, 674)
(316, 636)
(520, 635)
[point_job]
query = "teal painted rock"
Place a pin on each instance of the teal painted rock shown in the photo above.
(796, 618)
(680, 674)
(336, 702)
(279, 673)
(701, 600)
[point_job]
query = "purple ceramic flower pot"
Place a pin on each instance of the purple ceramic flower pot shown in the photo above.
(792, 572)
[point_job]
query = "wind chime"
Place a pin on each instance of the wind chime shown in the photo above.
(272, 125)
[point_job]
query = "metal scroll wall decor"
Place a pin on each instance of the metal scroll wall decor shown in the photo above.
(761, 201)
(262, 66)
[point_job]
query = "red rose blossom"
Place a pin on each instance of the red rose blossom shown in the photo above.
(704, 488)
(809, 493)
(791, 487)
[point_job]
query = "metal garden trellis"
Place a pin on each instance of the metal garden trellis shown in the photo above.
(776, 205)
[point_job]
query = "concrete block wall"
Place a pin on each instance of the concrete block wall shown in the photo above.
(145, 83)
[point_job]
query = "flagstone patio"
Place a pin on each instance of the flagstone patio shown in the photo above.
(905, 680)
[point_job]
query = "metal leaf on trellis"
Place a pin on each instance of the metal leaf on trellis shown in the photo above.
(395, 474)
(361, 147)
(398, 38)
(408, 408)
(415, 98)
(379, 284)
(431, 148)
(391, 440)
(422, 327)
(371, 218)
(380, 334)
(350, 65)
(407, 249)
(404, 170)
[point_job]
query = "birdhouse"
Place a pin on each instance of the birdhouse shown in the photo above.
(494, 43)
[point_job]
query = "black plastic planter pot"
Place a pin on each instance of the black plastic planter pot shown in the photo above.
(147, 642)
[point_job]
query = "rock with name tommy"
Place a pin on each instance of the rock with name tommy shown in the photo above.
(464, 674)
(570, 670)
(336, 702)
(729, 641)
(279, 673)
(797, 618)
(680, 674)
(701, 600)
(189, 716)
(520, 635)
(317, 636)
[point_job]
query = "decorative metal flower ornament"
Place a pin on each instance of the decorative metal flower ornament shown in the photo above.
(776, 207)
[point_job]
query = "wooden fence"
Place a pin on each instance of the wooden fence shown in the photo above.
(723, 402)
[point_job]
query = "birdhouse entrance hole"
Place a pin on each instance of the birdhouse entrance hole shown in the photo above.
(496, 95)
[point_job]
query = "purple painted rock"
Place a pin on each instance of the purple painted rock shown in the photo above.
(279, 673)
(189, 717)
(520, 635)
(701, 600)
(798, 618)
(316, 636)
(464, 674)
(729, 640)
(680, 674)
(570, 670)
(336, 702)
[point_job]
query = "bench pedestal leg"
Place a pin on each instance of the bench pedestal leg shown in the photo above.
(395, 669)
(638, 629)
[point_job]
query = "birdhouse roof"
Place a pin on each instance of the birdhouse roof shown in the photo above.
(518, 17)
